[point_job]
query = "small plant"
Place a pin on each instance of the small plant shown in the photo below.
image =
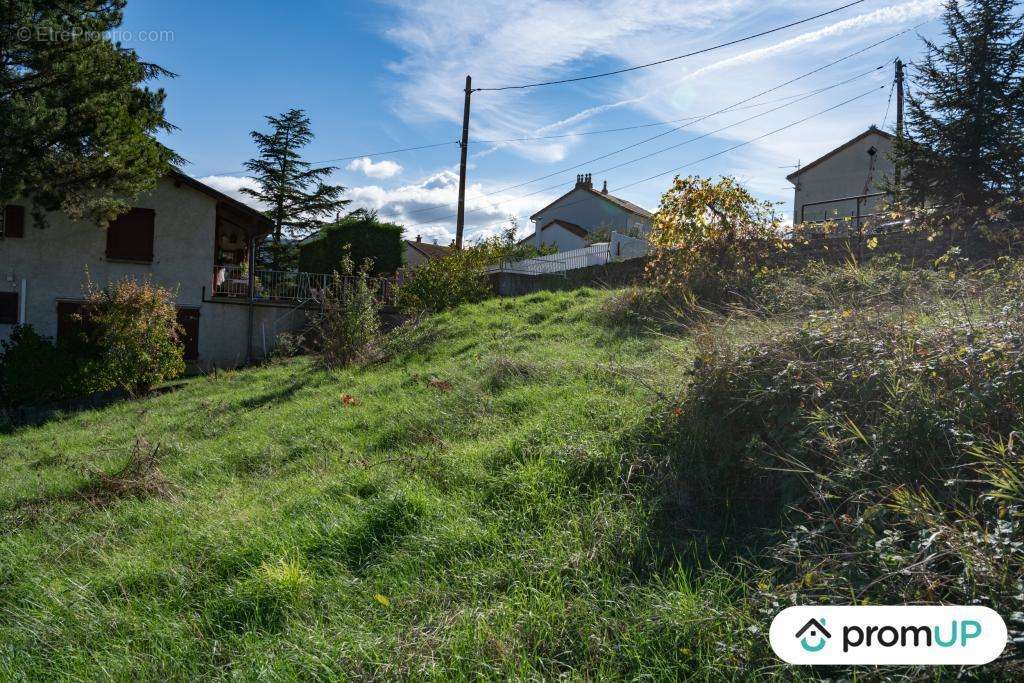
(133, 335)
(350, 321)
(288, 345)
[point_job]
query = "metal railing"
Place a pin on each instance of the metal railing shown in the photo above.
(290, 286)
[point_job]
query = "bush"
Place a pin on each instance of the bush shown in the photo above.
(869, 460)
(366, 240)
(710, 238)
(461, 276)
(35, 371)
(132, 335)
(349, 323)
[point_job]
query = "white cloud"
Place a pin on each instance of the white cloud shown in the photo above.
(427, 207)
(379, 169)
(232, 187)
(504, 43)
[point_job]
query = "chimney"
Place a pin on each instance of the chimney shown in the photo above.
(583, 180)
(604, 190)
(579, 180)
(588, 183)
(419, 238)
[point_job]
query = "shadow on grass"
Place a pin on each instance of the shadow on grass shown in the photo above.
(15, 418)
(271, 397)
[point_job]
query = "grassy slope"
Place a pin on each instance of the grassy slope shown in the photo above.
(478, 529)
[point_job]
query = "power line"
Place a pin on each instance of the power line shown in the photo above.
(677, 57)
(803, 97)
(888, 104)
(672, 130)
(653, 124)
(724, 151)
(360, 156)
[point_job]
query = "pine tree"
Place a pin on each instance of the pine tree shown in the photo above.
(964, 147)
(76, 124)
(299, 202)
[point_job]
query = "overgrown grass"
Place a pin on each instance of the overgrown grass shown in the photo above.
(462, 514)
(573, 484)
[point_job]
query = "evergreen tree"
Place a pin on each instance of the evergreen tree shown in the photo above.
(76, 126)
(300, 202)
(964, 147)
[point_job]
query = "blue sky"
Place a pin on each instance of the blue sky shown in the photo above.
(386, 75)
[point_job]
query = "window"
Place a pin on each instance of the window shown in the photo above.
(8, 308)
(14, 221)
(188, 318)
(68, 327)
(130, 236)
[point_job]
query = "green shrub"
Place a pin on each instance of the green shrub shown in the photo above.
(439, 284)
(132, 335)
(461, 276)
(366, 240)
(349, 322)
(36, 371)
(711, 238)
(866, 458)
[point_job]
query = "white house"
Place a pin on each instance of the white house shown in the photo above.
(182, 235)
(845, 183)
(566, 222)
(418, 252)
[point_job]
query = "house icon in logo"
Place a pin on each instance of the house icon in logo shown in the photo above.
(814, 629)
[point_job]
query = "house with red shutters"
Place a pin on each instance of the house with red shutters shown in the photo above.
(182, 235)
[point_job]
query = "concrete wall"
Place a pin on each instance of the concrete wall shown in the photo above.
(53, 262)
(844, 175)
(590, 212)
(615, 274)
(915, 249)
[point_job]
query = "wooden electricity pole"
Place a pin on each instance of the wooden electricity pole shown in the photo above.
(899, 115)
(460, 221)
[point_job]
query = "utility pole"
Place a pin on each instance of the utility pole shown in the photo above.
(899, 114)
(460, 221)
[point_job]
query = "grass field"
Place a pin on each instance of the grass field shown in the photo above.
(459, 514)
(531, 488)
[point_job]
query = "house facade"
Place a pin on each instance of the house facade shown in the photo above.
(418, 252)
(567, 222)
(845, 183)
(181, 235)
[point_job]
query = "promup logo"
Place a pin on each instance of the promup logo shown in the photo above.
(814, 629)
(888, 635)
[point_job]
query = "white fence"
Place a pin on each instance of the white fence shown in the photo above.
(620, 248)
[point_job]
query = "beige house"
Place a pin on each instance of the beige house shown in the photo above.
(566, 222)
(419, 252)
(182, 235)
(846, 183)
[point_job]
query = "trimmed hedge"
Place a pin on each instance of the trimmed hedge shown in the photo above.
(365, 238)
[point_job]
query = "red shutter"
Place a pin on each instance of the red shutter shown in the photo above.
(130, 236)
(188, 318)
(14, 221)
(8, 308)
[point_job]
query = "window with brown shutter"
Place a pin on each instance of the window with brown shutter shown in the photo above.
(69, 325)
(188, 318)
(14, 221)
(130, 236)
(8, 308)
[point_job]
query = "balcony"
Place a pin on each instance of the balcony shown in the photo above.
(289, 287)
